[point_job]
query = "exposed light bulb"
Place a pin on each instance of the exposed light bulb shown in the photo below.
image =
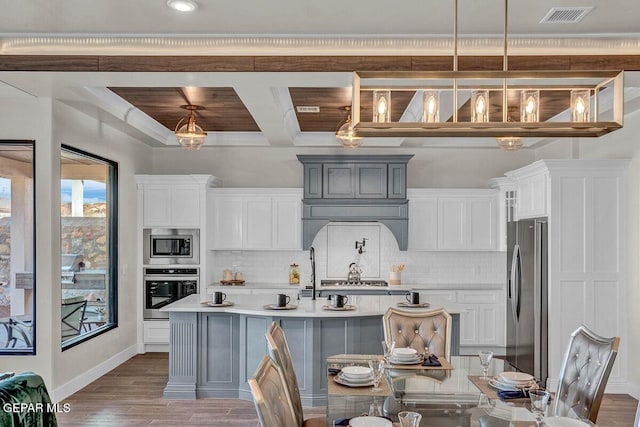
(381, 105)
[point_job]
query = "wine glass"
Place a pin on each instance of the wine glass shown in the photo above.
(377, 367)
(485, 362)
(387, 350)
(409, 419)
(539, 402)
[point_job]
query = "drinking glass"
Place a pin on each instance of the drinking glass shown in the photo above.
(377, 367)
(539, 402)
(485, 362)
(387, 350)
(409, 419)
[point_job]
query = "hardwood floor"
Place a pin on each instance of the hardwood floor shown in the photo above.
(131, 395)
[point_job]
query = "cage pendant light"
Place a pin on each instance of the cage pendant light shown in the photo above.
(190, 136)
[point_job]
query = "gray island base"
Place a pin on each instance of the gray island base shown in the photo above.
(213, 351)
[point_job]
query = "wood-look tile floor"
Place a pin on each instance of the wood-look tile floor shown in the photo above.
(131, 395)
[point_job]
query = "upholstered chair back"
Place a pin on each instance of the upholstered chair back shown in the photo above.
(584, 374)
(270, 396)
(419, 330)
(280, 352)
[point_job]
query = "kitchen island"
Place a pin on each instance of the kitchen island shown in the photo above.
(213, 351)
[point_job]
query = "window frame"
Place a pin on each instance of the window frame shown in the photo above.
(32, 350)
(112, 227)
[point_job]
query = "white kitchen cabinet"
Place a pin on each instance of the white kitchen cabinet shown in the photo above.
(453, 220)
(255, 219)
(171, 205)
(423, 224)
(532, 191)
(483, 321)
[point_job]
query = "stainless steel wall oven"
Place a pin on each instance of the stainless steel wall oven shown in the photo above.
(162, 286)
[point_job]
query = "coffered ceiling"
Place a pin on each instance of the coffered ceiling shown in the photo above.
(251, 64)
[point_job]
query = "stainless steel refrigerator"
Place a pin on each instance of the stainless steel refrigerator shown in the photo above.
(527, 344)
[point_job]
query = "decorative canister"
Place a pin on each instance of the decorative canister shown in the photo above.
(294, 274)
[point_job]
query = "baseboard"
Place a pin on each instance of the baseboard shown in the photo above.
(82, 380)
(634, 390)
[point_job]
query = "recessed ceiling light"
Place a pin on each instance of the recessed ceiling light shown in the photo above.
(182, 5)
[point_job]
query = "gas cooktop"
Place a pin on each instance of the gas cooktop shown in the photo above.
(344, 283)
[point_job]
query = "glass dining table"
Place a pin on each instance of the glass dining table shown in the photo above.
(451, 395)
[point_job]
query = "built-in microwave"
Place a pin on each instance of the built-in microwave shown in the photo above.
(168, 246)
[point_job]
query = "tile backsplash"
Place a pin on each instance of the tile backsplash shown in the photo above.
(335, 250)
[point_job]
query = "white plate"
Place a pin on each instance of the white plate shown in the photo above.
(224, 304)
(342, 381)
(369, 422)
(497, 384)
(565, 422)
(511, 377)
(277, 307)
(356, 371)
(365, 380)
(413, 361)
(404, 352)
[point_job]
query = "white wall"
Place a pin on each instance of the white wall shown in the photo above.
(50, 124)
(434, 268)
(264, 167)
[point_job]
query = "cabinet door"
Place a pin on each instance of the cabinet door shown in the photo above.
(481, 223)
(423, 224)
(531, 197)
(397, 181)
(287, 223)
(451, 224)
(469, 326)
(313, 180)
(227, 223)
(338, 181)
(371, 181)
(156, 206)
(257, 223)
(185, 206)
(491, 328)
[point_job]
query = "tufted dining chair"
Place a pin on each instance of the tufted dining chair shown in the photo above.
(419, 330)
(584, 374)
(270, 396)
(280, 353)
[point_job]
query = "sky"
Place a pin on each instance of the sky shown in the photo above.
(94, 191)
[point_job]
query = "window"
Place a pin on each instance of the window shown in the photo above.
(88, 215)
(17, 284)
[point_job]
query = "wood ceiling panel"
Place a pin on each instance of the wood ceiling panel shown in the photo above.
(223, 111)
(331, 102)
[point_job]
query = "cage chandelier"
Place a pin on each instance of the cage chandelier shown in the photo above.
(506, 105)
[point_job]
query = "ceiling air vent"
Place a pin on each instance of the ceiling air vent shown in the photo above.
(566, 15)
(308, 109)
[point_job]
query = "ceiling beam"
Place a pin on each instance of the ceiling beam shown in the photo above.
(87, 63)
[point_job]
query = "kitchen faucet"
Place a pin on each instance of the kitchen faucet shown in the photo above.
(312, 257)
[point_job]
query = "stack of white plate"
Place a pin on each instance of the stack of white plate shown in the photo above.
(513, 381)
(369, 422)
(356, 375)
(404, 356)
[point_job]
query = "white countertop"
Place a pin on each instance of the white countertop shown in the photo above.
(403, 287)
(306, 307)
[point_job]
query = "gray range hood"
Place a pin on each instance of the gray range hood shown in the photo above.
(355, 188)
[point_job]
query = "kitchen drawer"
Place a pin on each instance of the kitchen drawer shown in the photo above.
(429, 296)
(480, 297)
(156, 332)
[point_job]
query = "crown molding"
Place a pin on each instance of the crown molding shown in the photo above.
(332, 45)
